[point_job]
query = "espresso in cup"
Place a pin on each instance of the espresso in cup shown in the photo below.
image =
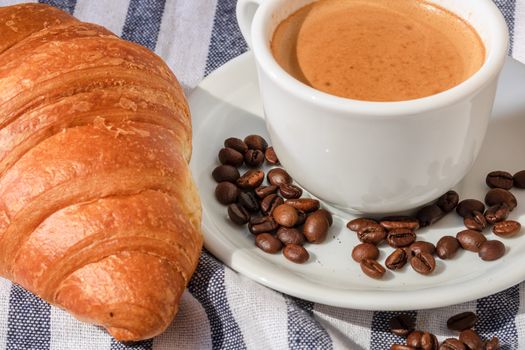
(381, 50)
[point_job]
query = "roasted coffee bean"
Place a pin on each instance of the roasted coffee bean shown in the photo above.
(304, 204)
(452, 344)
(225, 173)
(238, 214)
(327, 215)
(497, 213)
(392, 222)
(498, 196)
(226, 193)
(422, 247)
(519, 179)
(253, 158)
(414, 339)
(268, 243)
(290, 191)
(256, 142)
(296, 253)
(270, 156)
(236, 144)
(471, 240)
(400, 237)
(372, 268)
(491, 250)
(462, 321)
(429, 341)
(269, 203)
(285, 215)
(279, 176)
(448, 201)
(358, 224)
(429, 215)
(471, 339)
(476, 221)
(251, 179)
(229, 156)
(302, 217)
(262, 224)
(365, 251)
(249, 201)
(466, 207)
(316, 227)
(423, 263)
(264, 191)
(493, 344)
(506, 228)
(373, 233)
(401, 325)
(401, 347)
(397, 259)
(447, 247)
(499, 179)
(290, 236)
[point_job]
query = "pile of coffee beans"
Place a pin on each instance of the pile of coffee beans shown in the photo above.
(274, 211)
(463, 323)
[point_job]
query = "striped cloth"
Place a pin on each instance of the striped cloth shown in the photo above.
(222, 309)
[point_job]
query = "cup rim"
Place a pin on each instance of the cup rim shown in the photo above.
(489, 70)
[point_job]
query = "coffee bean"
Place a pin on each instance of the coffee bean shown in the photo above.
(373, 233)
(296, 253)
(493, 344)
(429, 341)
(400, 237)
(304, 204)
(358, 224)
(491, 250)
(327, 215)
(225, 173)
(466, 207)
(401, 325)
(448, 201)
(290, 236)
(499, 179)
(372, 268)
(316, 227)
(462, 321)
(471, 339)
(452, 344)
(498, 196)
(269, 203)
(268, 243)
(423, 263)
(226, 193)
(422, 247)
(476, 221)
(519, 179)
(290, 191)
(251, 179)
(285, 215)
(397, 259)
(392, 222)
(497, 213)
(236, 144)
(471, 240)
(401, 347)
(301, 217)
(279, 176)
(256, 142)
(249, 201)
(229, 156)
(414, 339)
(506, 228)
(429, 215)
(262, 224)
(238, 214)
(270, 156)
(447, 247)
(264, 191)
(253, 158)
(365, 251)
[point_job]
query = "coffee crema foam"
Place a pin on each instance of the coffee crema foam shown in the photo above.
(378, 50)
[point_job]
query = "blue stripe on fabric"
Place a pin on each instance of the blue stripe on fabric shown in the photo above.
(141, 345)
(304, 332)
(29, 321)
(65, 5)
(143, 21)
(508, 8)
(227, 41)
(207, 286)
(381, 337)
(497, 317)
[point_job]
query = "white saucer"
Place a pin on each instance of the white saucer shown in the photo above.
(227, 103)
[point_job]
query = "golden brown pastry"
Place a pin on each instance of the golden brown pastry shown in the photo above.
(99, 214)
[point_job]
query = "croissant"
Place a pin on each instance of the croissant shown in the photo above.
(99, 214)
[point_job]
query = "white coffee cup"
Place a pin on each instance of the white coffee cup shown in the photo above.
(375, 157)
